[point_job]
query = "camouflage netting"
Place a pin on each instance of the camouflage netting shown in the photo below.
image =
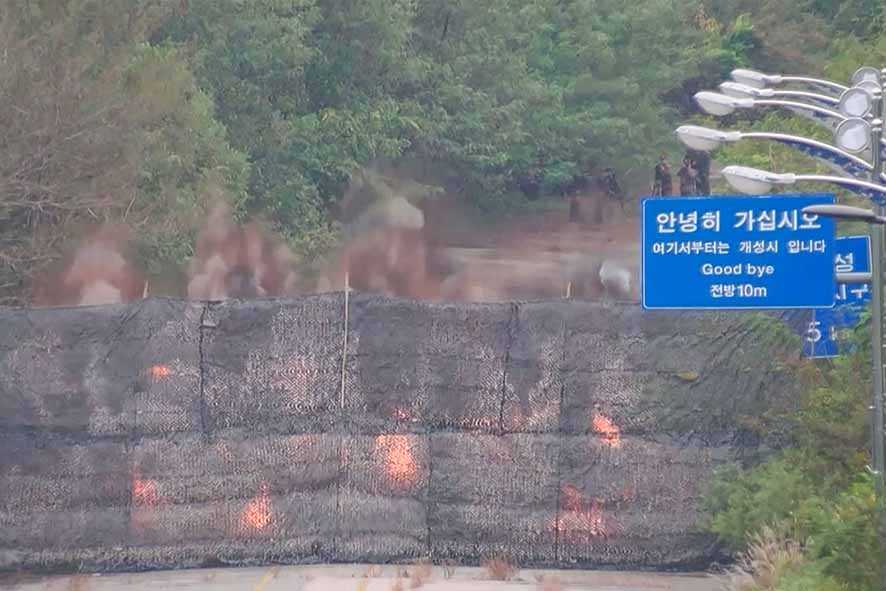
(172, 433)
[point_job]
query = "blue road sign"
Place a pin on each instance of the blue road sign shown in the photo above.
(825, 333)
(737, 253)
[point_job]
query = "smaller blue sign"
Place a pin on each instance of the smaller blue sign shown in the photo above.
(737, 253)
(826, 334)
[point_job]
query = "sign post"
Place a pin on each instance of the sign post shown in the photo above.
(824, 334)
(740, 253)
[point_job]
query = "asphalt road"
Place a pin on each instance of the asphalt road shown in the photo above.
(368, 578)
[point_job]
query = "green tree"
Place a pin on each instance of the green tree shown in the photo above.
(99, 127)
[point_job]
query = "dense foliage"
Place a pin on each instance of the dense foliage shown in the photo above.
(817, 493)
(100, 126)
(144, 111)
(275, 105)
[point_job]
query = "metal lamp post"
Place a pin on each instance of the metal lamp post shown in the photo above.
(859, 126)
(876, 220)
(750, 180)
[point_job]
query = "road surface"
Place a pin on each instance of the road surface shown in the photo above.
(368, 578)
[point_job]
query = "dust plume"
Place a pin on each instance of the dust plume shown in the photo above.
(234, 261)
(399, 240)
(402, 243)
(98, 272)
(385, 249)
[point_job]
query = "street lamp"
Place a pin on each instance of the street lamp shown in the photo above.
(862, 110)
(718, 104)
(857, 102)
(840, 161)
(853, 135)
(866, 74)
(755, 182)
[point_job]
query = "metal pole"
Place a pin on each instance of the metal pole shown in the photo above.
(878, 343)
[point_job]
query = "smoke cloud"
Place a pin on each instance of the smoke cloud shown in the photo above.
(233, 261)
(391, 246)
(98, 272)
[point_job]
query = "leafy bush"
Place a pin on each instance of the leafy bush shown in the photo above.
(817, 492)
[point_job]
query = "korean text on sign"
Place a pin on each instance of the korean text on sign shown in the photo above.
(737, 252)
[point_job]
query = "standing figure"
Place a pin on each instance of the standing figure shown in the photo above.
(663, 185)
(688, 177)
(703, 166)
(609, 184)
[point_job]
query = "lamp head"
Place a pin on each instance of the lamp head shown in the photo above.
(856, 102)
(853, 135)
(705, 138)
(753, 181)
(738, 90)
(718, 104)
(870, 86)
(753, 78)
(866, 74)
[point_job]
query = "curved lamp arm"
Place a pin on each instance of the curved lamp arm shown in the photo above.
(819, 111)
(761, 80)
(738, 90)
(874, 192)
(827, 84)
(755, 181)
(820, 99)
(841, 162)
(721, 104)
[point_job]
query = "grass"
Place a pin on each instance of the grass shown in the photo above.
(500, 569)
(768, 558)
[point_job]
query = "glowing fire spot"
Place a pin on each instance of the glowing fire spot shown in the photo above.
(144, 490)
(256, 516)
(580, 521)
(608, 431)
(158, 372)
(399, 462)
(145, 500)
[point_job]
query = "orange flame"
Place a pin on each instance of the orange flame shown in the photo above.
(256, 516)
(144, 492)
(158, 372)
(608, 431)
(145, 499)
(399, 462)
(579, 521)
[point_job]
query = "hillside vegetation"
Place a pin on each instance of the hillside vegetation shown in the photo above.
(147, 111)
